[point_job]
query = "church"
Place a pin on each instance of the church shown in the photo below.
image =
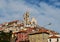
(29, 31)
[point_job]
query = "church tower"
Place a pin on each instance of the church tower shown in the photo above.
(33, 22)
(26, 19)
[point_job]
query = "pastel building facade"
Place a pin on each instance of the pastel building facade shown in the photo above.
(54, 38)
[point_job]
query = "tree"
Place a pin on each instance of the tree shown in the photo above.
(5, 37)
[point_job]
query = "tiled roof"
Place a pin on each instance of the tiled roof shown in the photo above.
(1, 29)
(42, 29)
(29, 29)
(54, 36)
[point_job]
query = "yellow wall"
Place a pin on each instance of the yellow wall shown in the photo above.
(38, 38)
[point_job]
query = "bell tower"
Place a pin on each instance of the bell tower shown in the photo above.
(26, 19)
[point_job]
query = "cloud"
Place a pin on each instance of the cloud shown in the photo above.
(48, 14)
(13, 10)
(42, 11)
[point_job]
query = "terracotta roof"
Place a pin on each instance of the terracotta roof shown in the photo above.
(54, 36)
(1, 29)
(13, 22)
(23, 31)
(42, 29)
(39, 29)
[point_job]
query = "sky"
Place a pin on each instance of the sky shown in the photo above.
(45, 11)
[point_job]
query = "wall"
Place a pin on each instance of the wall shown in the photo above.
(38, 38)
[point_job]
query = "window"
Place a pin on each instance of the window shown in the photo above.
(57, 39)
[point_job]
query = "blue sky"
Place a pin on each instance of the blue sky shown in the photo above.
(45, 11)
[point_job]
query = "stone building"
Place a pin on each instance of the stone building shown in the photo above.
(41, 36)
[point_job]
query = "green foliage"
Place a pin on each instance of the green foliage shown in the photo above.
(4, 41)
(5, 37)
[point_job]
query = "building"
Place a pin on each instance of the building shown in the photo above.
(41, 36)
(28, 30)
(54, 38)
(22, 36)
